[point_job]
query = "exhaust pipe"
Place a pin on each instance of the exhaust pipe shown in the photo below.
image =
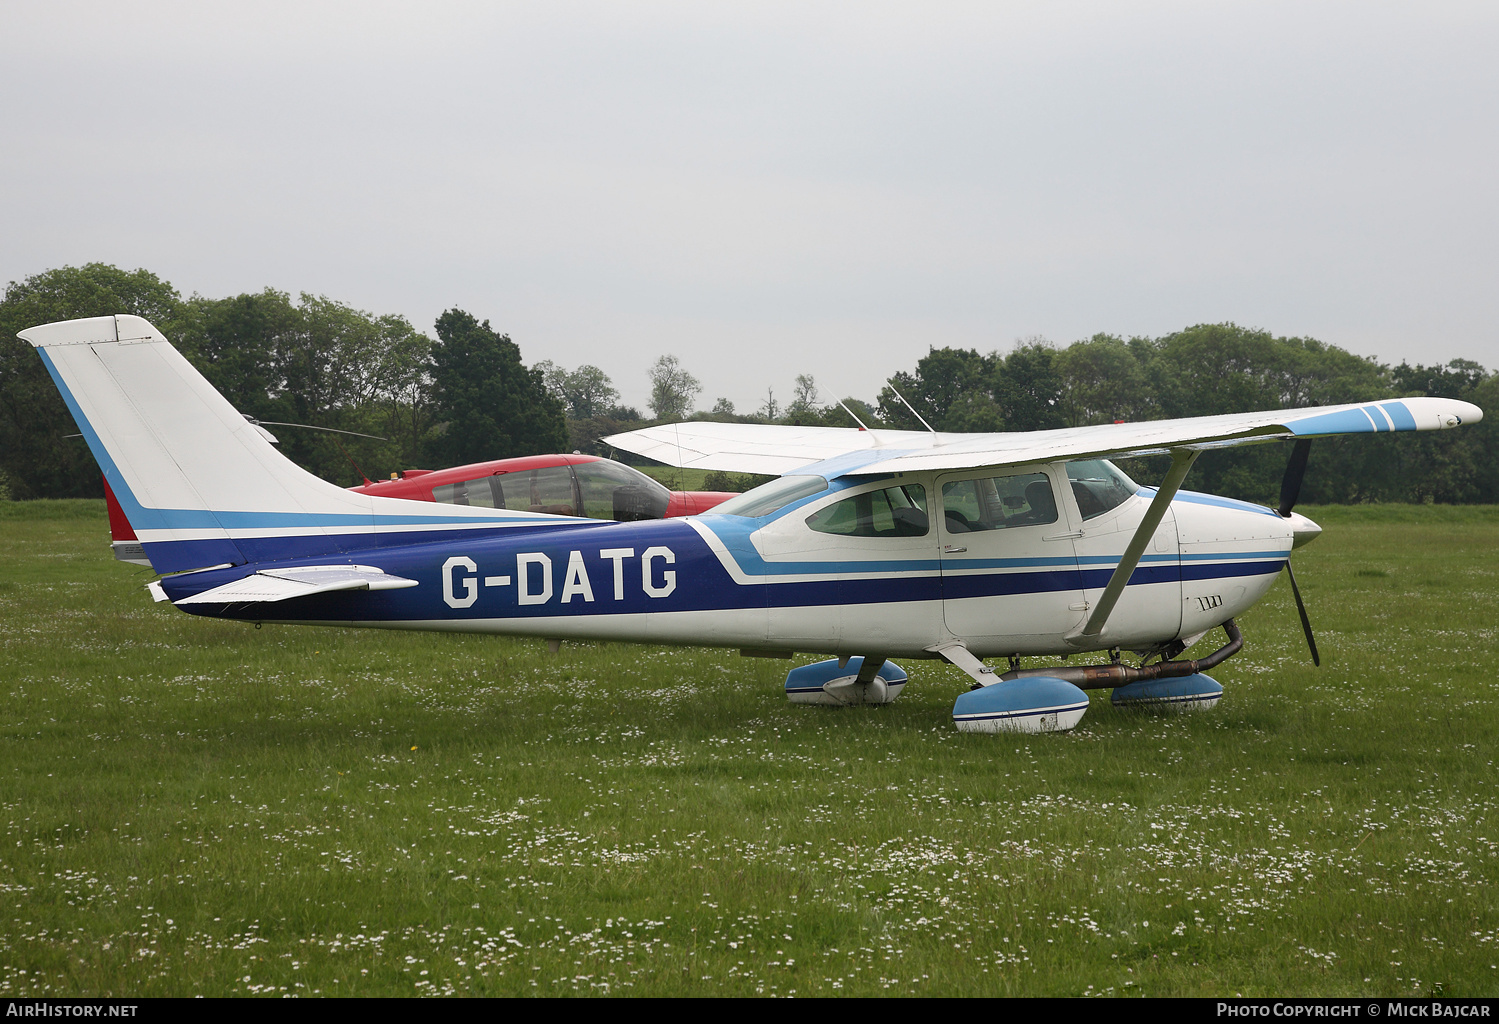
(1103, 677)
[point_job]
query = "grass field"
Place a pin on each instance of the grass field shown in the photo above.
(191, 806)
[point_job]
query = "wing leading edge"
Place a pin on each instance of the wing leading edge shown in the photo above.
(831, 451)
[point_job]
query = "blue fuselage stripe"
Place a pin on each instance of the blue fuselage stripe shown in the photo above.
(693, 579)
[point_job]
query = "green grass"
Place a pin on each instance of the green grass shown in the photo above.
(200, 807)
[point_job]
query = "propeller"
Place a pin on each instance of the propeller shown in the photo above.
(1306, 623)
(1290, 484)
(1290, 490)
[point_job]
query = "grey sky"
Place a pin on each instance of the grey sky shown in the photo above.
(766, 190)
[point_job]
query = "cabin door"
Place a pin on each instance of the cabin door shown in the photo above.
(1010, 579)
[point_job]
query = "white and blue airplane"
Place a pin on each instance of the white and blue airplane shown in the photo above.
(870, 544)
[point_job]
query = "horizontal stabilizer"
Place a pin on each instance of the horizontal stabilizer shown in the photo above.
(281, 584)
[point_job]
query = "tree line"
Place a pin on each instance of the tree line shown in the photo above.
(465, 394)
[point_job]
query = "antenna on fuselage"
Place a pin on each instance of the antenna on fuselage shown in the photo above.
(676, 429)
(908, 405)
(862, 425)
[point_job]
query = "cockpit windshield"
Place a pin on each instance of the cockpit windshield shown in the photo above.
(771, 497)
(614, 491)
(1099, 486)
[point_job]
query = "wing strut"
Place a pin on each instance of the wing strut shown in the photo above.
(1181, 461)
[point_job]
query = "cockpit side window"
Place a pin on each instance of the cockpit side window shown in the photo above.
(892, 512)
(1099, 486)
(547, 491)
(998, 503)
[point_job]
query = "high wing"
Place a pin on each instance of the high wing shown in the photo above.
(829, 451)
(767, 448)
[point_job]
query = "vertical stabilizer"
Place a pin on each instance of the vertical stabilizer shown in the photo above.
(187, 469)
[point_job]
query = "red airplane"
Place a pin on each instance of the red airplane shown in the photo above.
(563, 485)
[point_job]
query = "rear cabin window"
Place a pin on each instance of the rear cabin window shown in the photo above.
(893, 512)
(1099, 486)
(549, 490)
(998, 503)
(481, 492)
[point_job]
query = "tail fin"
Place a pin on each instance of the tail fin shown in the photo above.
(199, 484)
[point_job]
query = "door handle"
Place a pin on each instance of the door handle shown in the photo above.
(952, 549)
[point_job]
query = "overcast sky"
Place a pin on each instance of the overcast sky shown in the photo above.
(772, 189)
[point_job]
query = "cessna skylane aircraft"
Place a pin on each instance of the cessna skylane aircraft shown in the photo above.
(871, 544)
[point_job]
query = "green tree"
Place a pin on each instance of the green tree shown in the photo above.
(316, 363)
(1483, 439)
(1027, 386)
(770, 411)
(553, 378)
(1224, 368)
(1440, 466)
(590, 391)
(489, 404)
(803, 410)
(974, 412)
(1102, 382)
(1455, 380)
(858, 412)
(236, 344)
(942, 377)
(406, 391)
(37, 457)
(673, 389)
(804, 395)
(586, 392)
